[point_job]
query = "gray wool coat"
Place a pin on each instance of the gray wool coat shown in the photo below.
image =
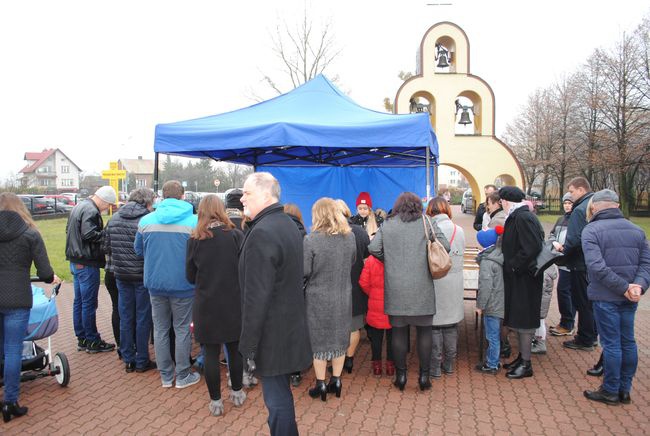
(328, 293)
(408, 286)
(550, 276)
(450, 307)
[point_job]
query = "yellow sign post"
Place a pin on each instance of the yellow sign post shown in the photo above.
(114, 175)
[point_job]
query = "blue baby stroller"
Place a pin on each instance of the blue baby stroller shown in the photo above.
(43, 323)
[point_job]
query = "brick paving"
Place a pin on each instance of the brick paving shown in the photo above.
(103, 399)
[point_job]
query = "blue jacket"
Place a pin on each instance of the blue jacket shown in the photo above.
(162, 240)
(616, 254)
(573, 255)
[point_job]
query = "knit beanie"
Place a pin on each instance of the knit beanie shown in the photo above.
(107, 194)
(364, 198)
(233, 199)
(567, 197)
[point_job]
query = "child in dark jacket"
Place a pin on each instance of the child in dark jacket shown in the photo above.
(490, 298)
(372, 283)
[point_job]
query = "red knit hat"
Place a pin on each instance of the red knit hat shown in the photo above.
(364, 198)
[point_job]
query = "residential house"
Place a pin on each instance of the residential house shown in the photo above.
(139, 173)
(50, 170)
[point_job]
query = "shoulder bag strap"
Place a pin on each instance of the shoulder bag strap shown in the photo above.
(453, 235)
(432, 236)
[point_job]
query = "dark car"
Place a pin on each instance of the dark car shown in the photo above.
(37, 204)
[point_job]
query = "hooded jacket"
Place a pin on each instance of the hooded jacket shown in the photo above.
(118, 242)
(616, 254)
(372, 283)
(162, 241)
(20, 245)
(490, 298)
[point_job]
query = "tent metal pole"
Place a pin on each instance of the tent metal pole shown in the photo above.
(428, 178)
(155, 174)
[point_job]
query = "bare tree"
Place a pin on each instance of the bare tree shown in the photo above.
(304, 51)
(625, 116)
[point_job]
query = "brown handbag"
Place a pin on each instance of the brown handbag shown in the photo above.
(437, 257)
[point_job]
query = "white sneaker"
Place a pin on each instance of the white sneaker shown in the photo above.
(167, 384)
(191, 379)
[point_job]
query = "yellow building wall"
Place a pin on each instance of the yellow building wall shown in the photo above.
(481, 157)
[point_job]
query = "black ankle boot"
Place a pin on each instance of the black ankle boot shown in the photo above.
(514, 363)
(597, 369)
(348, 364)
(423, 380)
(12, 409)
(400, 378)
(319, 390)
(524, 369)
(335, 386)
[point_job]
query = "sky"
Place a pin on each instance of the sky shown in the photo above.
(93, 78)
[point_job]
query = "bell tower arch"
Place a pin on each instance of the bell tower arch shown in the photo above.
(462, 109)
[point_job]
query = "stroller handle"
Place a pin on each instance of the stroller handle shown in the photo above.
(55, 289)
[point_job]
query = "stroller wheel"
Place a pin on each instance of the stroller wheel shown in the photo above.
(60, 361)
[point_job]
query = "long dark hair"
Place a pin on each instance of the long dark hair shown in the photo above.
(211, 209)
(408, 207)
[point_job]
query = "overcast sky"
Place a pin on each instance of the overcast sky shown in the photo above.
(94, 78)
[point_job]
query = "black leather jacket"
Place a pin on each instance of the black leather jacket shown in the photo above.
(84, 233)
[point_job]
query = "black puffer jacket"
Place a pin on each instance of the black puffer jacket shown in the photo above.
(20, 245)
(84, 234)
(118, 242)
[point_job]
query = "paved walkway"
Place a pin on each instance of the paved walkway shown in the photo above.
(103, 399)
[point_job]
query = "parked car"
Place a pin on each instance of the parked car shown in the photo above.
(61, 203)
(37, 204)
(467, 202)
(536, 199)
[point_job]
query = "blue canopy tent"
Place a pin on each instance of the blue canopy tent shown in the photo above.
(317, 142)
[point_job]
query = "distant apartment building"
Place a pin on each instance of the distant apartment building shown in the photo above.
(139, 172)
(451, 177)
(50, 170)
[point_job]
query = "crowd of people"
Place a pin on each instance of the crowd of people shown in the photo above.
(247, 281)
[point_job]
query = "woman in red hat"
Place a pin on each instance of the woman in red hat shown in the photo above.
(365, 217)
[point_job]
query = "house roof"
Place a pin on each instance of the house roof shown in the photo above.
(40, 157)
(137, 166)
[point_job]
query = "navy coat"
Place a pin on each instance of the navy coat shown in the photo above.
(616, 254)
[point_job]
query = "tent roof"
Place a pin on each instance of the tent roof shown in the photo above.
(314, 124)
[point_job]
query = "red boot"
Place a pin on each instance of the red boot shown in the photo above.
(390, 368)
(376, 367)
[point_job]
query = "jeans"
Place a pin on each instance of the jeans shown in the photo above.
(616, 329)
(279, 402)
(13, 326)
(564, 301)
(135, 322)
(163, 309)
(492, 326)
(86, 288)
(586, 325)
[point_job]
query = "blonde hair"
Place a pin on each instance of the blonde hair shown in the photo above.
(371, 224)
(10, 201)
(343, 207)
(326, 217)
(590, 209)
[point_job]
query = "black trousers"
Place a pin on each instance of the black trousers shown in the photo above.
(213, 368)
(586, 323)
(279, 402)
(111, 286)
(377, 340)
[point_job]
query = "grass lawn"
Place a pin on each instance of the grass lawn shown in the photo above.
(643, 222)
(53, 232)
